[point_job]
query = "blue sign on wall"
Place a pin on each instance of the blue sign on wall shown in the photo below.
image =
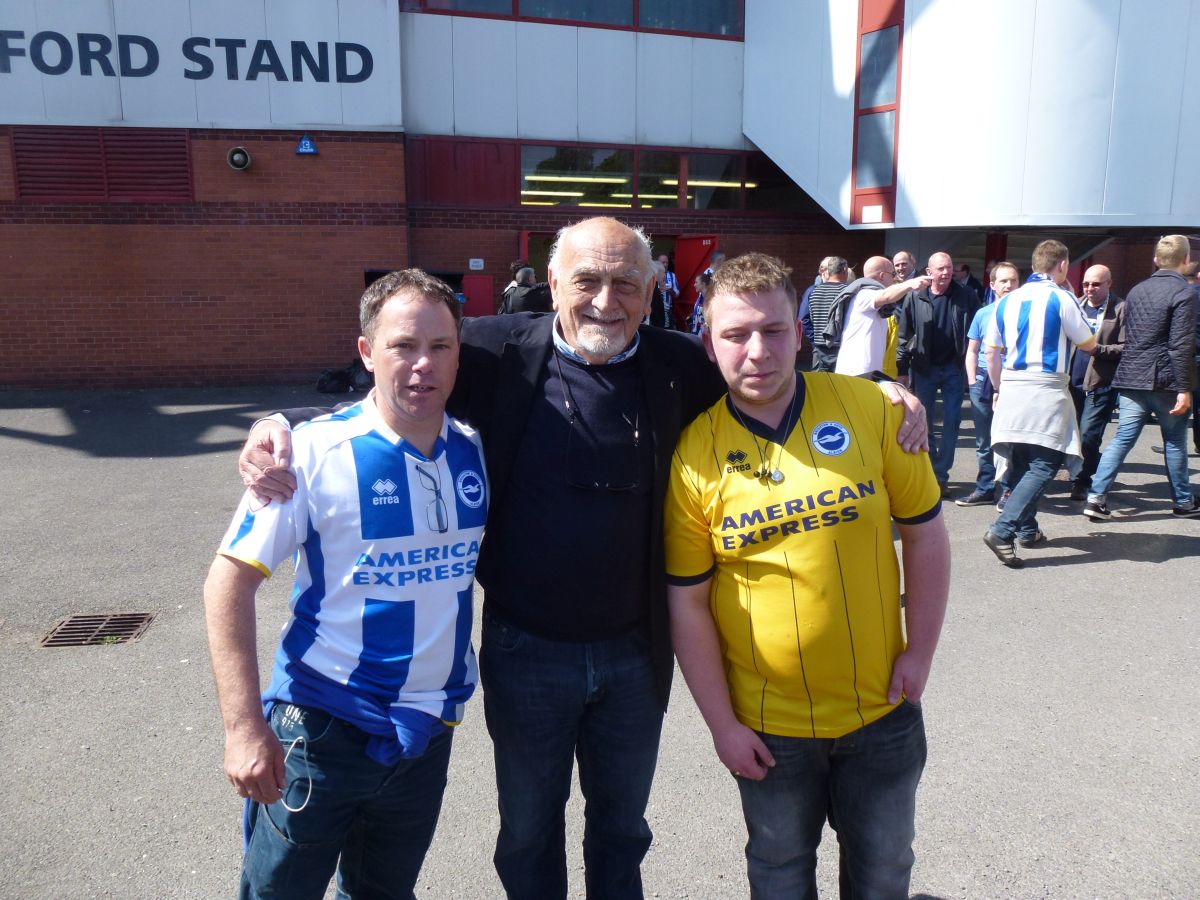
(306, 147)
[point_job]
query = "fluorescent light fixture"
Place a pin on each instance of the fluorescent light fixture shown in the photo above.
(645, 196)
(538, 203)
(551, 193)
(588, 179)
(607, 205)
(693, 182)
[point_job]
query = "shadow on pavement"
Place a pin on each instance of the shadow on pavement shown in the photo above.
(168, 422)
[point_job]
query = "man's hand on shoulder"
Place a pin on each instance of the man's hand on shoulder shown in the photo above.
(913, 435)
(265, 461)
(742, 752)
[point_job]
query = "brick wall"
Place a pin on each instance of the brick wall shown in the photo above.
(8, 183)
(256, 280)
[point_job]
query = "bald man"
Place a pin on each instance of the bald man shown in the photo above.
(1092, 374)
(869, 302)
(930, 354)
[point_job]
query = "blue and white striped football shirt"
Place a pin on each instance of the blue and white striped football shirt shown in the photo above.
(385, 542)
(1036, 325)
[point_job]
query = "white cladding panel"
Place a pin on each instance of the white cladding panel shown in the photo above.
(569, 83)
(547, 79)
(607, 82)
(484, 57)
(664, 112)
(1148, 108)
(1186, 198)
(181, 35)
(713, 92)
(428, 59)
(1064, 171)
(1029, 112)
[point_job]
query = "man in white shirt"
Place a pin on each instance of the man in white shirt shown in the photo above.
(865, 317)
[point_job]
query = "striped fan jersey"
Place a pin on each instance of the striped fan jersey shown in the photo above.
(805, 589)
(1036, 326)
(385, 543)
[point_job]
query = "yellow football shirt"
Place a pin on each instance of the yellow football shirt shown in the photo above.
(806, 584)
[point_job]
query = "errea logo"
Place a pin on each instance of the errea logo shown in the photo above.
(386, 489)
(737, 462)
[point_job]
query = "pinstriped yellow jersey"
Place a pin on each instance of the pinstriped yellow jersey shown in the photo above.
(806, 584)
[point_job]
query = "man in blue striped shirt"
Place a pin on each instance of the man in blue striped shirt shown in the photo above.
(1033, 426)
(375, 663)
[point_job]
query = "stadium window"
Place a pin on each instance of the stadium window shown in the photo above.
(877, 75)
(876, 108)
(597, 177)
(654, 168)
(714, 180)
(876, 150)
(495, 7)
(717, 18)
(723, 17)
(603, 12)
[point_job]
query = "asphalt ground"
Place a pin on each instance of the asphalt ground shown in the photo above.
(1061, 713)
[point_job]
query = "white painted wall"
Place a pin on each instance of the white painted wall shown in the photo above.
(568, 83)
(167, 98)
(799, 95)
(1022, 113)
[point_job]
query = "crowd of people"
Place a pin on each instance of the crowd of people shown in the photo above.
(697, 498)
(1067, 362)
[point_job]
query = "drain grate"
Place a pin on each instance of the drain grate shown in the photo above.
(90, 631)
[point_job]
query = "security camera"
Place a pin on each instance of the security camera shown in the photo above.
(238, 159)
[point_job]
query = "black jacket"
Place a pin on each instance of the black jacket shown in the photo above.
(501, 360)
(527, 298)
(915, 332)
(1160, 335)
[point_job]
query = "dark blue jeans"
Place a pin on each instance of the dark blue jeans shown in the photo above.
(1032, 467)
(981, 413)
(1098, 406)
(549, 703)
(947, 381)
(378, 819)
(1136, 408)
(865, 781)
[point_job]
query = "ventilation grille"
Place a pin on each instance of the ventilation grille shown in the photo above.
(97, 164)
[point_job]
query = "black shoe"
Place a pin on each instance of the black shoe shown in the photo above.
(1079, 492)
(1004, 550)
(975, 498)
(1157, 448)
(1039, 537)
(1097, 511)
(1188, 512)
(1002, 501)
